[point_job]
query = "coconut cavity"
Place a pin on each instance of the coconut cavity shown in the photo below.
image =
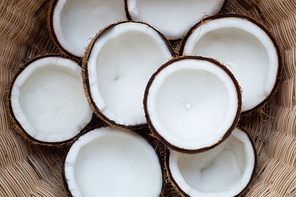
(173, 18)
(246, 50)
(223, 171)
(120, 63)
(192, 103)
(76, 22)
(192, 96)
(47, 99)
(113, 162)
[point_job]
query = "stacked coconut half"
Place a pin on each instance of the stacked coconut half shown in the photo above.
(118, 63)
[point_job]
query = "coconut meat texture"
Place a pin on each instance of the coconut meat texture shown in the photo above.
(245, 49)
(76, 22)
(113, 162)
(48, 101)
(119, 65)
(173, 18)
(192, 104)
(225, 170)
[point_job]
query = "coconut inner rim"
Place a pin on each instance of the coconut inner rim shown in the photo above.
(117, 84)
(165, 15)
(192, 103)
(76, 22)
(245, 49)
(222, 171)
(48, 100)
(122, 162)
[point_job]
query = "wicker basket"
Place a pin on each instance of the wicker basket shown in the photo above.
(33, 170)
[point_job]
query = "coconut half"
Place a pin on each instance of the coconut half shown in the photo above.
(192, 103)
(223, 171)
(73, 23)
(118, 65)
(172, 18)
(248, 50)
(112, 162)
(46, 100)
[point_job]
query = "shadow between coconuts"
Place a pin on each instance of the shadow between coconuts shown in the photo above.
(89, 128)
(176, 186)
(16, 123)
(84, 71)
(226, 134)
(268, 33)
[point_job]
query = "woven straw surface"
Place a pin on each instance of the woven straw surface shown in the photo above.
(34, 170)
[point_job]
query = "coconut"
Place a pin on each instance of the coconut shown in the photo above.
(246, 47)
(173, 18)
(226, 170)
(192, 103)
(112, 162)
(46, 100)
(74, 23)
(117, 66)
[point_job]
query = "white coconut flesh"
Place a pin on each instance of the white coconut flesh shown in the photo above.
(173, 18)
(192, 104)
(113, 162)
(119, 67)
(245, 49)
(48, 101)
(223, 171)
(76, 22)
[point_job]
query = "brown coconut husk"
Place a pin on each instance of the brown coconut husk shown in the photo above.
(35, 170)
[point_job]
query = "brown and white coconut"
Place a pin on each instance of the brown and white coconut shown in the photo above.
(172, 18)
(112, 162)
(117, 66)
(46, 101)
(192, 103)
(226, 170)
(246, 47)
(73, 23)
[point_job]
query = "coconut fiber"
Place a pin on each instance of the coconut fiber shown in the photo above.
(33, 170)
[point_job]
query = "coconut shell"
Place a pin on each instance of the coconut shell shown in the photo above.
(143, 133)
(182, 193)
(226, 134)
(172, 41)
(51, 8)
(261, 26)
(16, 123)
(86, 86)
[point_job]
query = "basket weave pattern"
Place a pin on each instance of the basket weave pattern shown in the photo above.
(33, 170)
